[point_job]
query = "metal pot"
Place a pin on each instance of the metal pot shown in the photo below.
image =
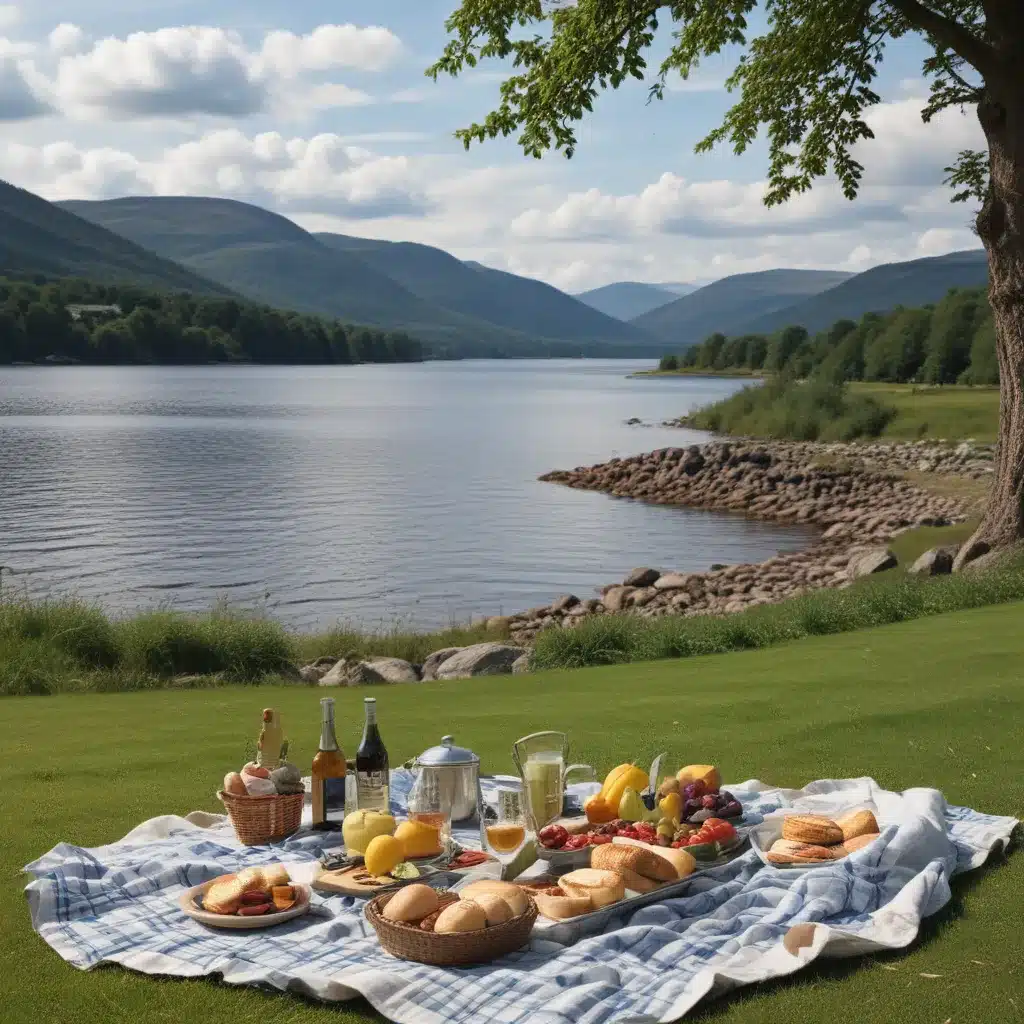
(455, 772)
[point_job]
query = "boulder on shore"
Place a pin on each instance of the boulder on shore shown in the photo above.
(436, 660)
(641, 578)
(935, 562)
(371, 671)
(490, 659)
(866, 563)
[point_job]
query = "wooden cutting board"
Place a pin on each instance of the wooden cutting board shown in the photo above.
(345, 883)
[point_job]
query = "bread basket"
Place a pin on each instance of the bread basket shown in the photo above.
(409, 942)
(259, 820)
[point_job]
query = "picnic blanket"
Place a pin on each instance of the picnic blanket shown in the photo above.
(119, 904)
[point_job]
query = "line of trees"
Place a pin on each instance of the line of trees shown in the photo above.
(36, 326)
(952, 342)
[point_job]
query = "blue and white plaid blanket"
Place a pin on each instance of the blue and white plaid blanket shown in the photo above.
(119, 904)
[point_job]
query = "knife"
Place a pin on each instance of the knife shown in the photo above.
(650, 794)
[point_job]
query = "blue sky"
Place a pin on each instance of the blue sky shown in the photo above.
(322, 112)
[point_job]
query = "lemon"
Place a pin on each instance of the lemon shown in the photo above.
(419, 839)
(383, 855)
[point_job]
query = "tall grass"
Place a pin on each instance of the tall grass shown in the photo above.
(604, 640)
(813, 410)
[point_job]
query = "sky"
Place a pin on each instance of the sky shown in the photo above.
(321, 112)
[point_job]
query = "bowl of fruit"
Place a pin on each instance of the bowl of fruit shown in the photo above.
(562, 849)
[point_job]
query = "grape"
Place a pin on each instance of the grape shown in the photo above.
(732, 809)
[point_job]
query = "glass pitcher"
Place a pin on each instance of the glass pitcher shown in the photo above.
(541, 759)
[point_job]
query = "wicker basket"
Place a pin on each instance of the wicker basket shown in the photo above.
(409, 942)
(259, 820)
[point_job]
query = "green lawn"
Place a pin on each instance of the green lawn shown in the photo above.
(950, 412)
(937, 701)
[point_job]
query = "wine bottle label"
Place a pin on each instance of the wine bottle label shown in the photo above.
(334, 799)
(372, 791)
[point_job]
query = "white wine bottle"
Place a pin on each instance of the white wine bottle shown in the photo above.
(328, 774)
(373, 778)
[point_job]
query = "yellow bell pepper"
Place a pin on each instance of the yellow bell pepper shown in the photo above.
(632, 778)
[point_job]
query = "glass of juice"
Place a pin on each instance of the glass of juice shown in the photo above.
(430, 803)
(503, 833)
(543, 774)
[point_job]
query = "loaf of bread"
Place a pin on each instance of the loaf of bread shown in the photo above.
(811, 828)
(511, 894)
(600, 887)
(225, 895)
(558, 906)
(461, 916)
(857, 843)
(631, 861)
(857, 823)
(413, 903)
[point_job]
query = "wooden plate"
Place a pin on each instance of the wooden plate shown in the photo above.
(191, 903)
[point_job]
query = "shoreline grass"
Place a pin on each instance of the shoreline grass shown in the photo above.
(937, 702)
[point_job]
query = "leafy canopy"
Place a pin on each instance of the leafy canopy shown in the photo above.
(806, 79)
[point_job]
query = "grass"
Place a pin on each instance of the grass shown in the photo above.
(933, 702)
(875, 601)
(950, 412)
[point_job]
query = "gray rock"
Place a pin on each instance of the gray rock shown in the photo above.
(673, 581)
(313, 673)
(641, 578)
(615, 598)
(865, 563)
(936, 562)
(521, 664)
(337, 675)
(383, 670)
(436, 660)
(970, 552)
(480, 660)
(564, 603)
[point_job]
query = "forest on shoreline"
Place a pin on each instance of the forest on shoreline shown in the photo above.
(43, 322)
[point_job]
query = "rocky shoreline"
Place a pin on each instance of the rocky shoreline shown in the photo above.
(856, 494)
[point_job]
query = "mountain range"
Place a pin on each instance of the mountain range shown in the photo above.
(458, 308)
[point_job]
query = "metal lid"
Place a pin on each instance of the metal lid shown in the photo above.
(447, 753)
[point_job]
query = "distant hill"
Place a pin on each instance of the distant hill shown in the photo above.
(626, 300)
(878, 290)
(394, 286)
(727, 305)
(38, 237)
(507, 300)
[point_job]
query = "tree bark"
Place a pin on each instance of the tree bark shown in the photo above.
(1001, 228)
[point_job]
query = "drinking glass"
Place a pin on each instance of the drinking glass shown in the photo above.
(504, 830)
(543, 775)
(430, 802)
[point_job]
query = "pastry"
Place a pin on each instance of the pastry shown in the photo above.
(251, 878)
(789, 851)
(460, 916)
(811, 828)
(600, 887)
(411, 904)
(513, 895)
(643, 863)
(225, 895)
(857, 823)
(275, 874)
(557, 906)
(857, 843)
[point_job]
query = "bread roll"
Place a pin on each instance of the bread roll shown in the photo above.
(252, 878)
(560, 908)
(235, 784)
(225, 895)
(460, 916)
(600, 887)
(857, 823)
(856, 843)
(412, 903)
(275, 874)
(788, 851)
(497, 910)
(634, 859)
(511, 894)
(811, 828)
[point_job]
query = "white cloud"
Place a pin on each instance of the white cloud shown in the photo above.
(22, 88)
(10, 15)
(67, 39)
(329, 47)
(331, 95)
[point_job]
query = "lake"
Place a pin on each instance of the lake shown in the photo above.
(366, 494)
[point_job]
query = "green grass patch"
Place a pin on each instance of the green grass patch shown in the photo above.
(949, 412)
(874, 601)
(934, 702)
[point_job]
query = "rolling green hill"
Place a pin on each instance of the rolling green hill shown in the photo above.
(396, 286)
(38, 237)
(729, 304)
(878, 290)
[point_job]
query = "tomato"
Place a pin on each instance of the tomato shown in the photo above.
(720, 831)
(597, 839)
(576, 842)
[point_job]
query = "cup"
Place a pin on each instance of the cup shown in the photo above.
(503, 832)
(431, 802)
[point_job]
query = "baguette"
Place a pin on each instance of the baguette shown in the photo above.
(636, 861)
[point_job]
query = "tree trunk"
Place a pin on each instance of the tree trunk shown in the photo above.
(1001, 228)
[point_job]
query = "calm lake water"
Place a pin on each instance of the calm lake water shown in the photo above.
(362, 494)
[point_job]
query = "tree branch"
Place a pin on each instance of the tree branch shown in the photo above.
(979, 54)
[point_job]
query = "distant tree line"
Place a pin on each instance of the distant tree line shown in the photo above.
(36, 325)
(952, 342)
